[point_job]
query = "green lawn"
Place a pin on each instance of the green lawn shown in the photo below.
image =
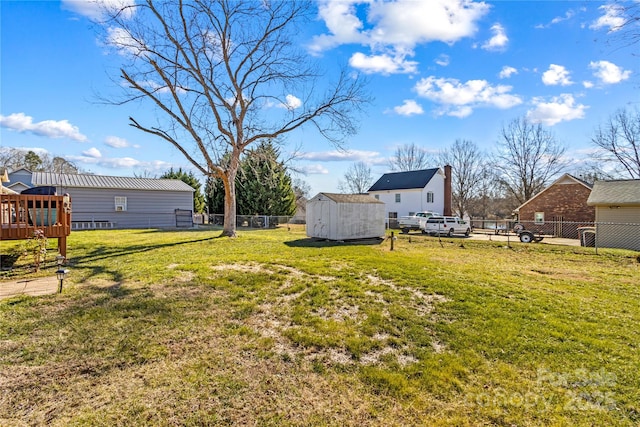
(186, 329)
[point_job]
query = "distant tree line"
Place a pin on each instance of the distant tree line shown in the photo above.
(526, 158)
(16, 158)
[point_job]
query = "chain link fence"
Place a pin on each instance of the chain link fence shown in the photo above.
(590, 234)
(244, 221)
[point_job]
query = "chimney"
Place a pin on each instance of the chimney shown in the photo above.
(447, 190)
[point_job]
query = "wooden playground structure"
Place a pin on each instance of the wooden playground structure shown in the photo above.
(21, 215)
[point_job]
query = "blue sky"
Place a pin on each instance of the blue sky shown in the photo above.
(439, 70)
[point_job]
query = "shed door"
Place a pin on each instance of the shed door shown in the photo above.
(322, 219)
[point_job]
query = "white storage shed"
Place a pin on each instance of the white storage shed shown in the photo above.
(345, 216)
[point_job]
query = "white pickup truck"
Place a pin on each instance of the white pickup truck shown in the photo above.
(415, 221)
(448, 225)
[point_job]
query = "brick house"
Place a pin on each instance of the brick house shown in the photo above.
(559, 209)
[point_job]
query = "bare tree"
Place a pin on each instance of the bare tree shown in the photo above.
(409, 157)
(627, 32)
(619, 142)
(16, 158)
(468, 165)
(357, 179)
(224, 75)
(527, 158)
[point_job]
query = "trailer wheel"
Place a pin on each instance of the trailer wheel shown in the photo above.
(526, 237)
(405, 230)
(450, 233)
(466, 233)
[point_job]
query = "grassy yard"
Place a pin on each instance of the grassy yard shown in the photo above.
(186, 329)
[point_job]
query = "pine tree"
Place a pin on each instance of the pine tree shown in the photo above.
(264, 185)
(190, 179)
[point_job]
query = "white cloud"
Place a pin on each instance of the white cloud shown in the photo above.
(57, 129)
(392, 29)
(408, 108)
(612, 19)
(116, 142)
(587, 84)
(383, 64)
(125, 44)
(507, 72)
(556, 75)
(100, 9)
(92, 152)
(342, 156)
(93, 157)
(314, 170)
(558, 19)
(292, 102)
(558, 109)
(608, 72)
(459, 99)
(442, 60)
(407, 23)
(499, 39)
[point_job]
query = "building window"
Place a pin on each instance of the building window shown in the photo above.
(397, 197)
(377, 196)
(538, 217)
(121, 203)
(430, 197)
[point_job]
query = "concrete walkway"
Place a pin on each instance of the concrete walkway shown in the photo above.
(33, 287)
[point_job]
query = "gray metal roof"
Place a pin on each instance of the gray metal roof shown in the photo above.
(404, 180)
(615, 193)
(112, 182)
(350, 198)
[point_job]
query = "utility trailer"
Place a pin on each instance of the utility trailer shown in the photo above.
(527, 236)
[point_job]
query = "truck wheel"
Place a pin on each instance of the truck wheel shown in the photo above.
(450, 233)
(526, 237)
(466, 233)
(405, 230)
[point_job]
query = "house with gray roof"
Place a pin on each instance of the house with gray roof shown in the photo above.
(617, 205)
(405, 193)
(19, 180)
(100, 201)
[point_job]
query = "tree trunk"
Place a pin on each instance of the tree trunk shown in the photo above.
(229, 181)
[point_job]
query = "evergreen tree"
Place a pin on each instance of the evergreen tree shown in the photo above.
(264, 185)
(214, 195)
(190, 179)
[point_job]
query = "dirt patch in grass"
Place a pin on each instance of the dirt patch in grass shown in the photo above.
(272, 321)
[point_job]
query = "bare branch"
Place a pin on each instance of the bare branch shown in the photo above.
(215, 69)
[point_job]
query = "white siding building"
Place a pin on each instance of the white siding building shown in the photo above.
(345, 217)
(405, 193)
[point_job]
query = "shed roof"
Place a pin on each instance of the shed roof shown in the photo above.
(619, 193)
(350, 198)
(404, 180)
(111, 182)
